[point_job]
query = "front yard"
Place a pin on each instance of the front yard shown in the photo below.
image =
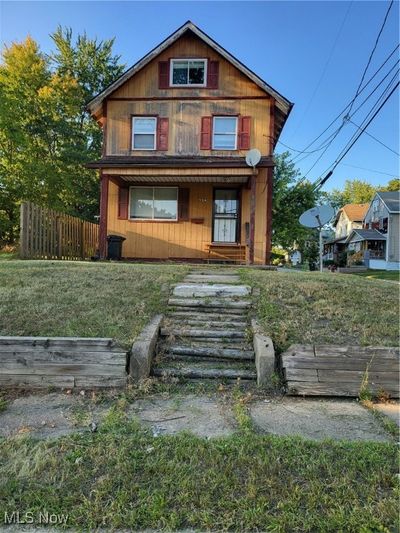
(124, 476)
(56, 298)
(325, 308)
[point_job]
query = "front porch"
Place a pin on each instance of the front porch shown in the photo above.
(207, 214)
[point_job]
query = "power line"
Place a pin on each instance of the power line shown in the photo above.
(344, 152)
(347, 106)
(372, 52)
(375, 139)
(347, 119)
(371, 170)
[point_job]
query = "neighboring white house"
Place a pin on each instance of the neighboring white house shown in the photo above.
(380, 237)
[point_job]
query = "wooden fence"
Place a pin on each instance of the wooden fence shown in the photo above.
(48, 234)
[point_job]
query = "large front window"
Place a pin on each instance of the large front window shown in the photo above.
(224, 133)
(144, 133)
(188, 72)
(154, 203)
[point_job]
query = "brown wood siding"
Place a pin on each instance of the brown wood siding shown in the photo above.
(243, 97)
(231, 81)
(185, 124)
(186, 239)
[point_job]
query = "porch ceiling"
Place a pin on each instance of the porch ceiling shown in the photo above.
(184, 179)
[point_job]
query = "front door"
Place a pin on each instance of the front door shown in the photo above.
(225, 215)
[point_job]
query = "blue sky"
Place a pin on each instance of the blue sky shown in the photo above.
(314, 53)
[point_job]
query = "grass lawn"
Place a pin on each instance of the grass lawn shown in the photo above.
(325, 308)
(393, 275)
(123, 477)
(55, 298)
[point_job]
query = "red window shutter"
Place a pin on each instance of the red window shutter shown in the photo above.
(183, 203)
(244, 133)
(162, 133)
(212, 74)
(163, 74)
(123, 201)
(206, 133)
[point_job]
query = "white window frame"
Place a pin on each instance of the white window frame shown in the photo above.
(153, 218)
(188, 59)
(133, 133)
(230, 133)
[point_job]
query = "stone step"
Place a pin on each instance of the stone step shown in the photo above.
(202, 322)
(189, 332)
(207, 291)
(198, 372)
(211, 351)
(216, 278)
(206, 303)
(213, 272)
(206, 314)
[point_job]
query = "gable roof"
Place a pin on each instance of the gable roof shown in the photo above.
(366, 235)
(283, 105)
(391, 199)
(354, 212)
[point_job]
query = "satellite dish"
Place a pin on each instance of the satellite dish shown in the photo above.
(253, 157)
(317, 216)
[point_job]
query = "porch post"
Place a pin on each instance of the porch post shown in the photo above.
(252, 217)
(268, 234)
(103, 215)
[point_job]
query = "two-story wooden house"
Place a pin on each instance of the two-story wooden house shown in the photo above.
(177, 127)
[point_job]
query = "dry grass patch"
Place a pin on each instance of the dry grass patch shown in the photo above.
(55, 298)
(325, 308)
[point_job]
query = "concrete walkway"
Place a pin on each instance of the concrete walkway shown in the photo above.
(57, 414)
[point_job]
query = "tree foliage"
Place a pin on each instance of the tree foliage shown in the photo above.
(46, 134)
(290, 200)
(358, 192)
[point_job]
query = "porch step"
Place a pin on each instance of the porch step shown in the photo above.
(200, 372)
(203, 322)
(208, 303)
(215, 290)
(234, 253)
(206, 316)
(188, 332)
(211, 351)
(212, 278)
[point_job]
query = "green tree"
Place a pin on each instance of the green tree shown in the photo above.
(290, 200)
(393, 185)
(93, 66)
(354, 192)
(46, 134)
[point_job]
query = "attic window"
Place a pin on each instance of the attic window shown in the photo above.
(188, 72)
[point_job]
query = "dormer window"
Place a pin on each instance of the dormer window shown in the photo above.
(188, 72)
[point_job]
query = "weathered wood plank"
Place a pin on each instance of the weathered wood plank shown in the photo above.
(357, 351)
(343, 364)
(34, 381)
(356, 376)
(67, 356)
(8, 343)
(299, 388)
(100, 381)
(301, 374)
(55, 369)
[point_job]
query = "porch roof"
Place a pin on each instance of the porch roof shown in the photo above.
(132, 178)
(177, 162)
(358, 235)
